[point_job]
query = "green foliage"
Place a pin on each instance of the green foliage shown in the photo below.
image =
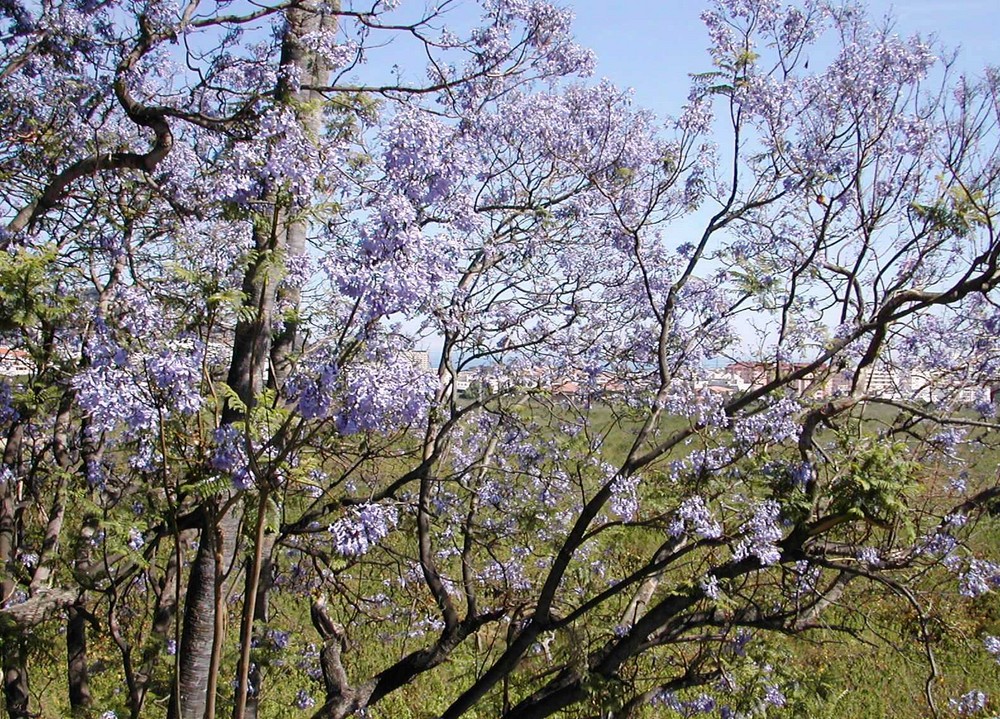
(877, 481)
(31, 292)
(957, 214)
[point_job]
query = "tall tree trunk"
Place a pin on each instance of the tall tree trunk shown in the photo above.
(254, 352)
(259, 580)
(309, 18)
(15, 669)
(15, 678)
(200, 618)
(76, 661)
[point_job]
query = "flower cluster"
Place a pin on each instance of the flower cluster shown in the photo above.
(362, 528)
(384, 394)
(281, 156)
(548, 35)
(624, 500)
(702, 704)
(8, 413)
(304, 700)
(969, 704)
(761, 534)
(775, 424)
(869, 556)
(979, 578)
(175, 372)
(940, 543)
(694, 516)
(710, 585)
(135, 376)
(313, 387)
(229, 455)
(992, 645)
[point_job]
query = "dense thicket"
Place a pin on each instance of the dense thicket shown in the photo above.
(229, 226)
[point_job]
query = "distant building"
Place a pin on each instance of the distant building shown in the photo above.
(946, 386)
(421, 358)
(463, 380)
(879, 379)
(14, 362)
(748, 375)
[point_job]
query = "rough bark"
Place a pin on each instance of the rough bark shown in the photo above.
(278, 236)
(197, 639)
(302, 21)
(263, 591)
(76, 660)
(15, 674)
(15, 679)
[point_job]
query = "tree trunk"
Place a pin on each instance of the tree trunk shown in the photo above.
(15, 670)
(15, 678)
(254, 351)
(76, 661)
(198, 637)
(308, 18)
(260, 619)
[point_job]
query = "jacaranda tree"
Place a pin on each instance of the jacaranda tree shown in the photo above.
(228, 226)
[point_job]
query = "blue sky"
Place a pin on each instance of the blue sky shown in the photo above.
(652, 45)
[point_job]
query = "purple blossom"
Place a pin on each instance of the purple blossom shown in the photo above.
(992, 645)
(869, 556)
(667, 699)
(624, 500)
(802, 473)
(135, 539)
(740, 642)
(176, 372)
(312, 388)
(279, 639)
(111, 397)
(8, 413)
(303, 700)
(131, 389)
(694, 516)
(774, 696)
(710, 585)
(299, 269)
(702, 704)
(362, 527)
(775, 424)
(979, 578)
(229, 456)
(956, 520)
(807, 575)
(948, 438)
(18, 596)
(334, 50)
(280, 156)
(969, 704)
(697, 117)
(384, 394)
(940, 543)
(94, 473)
(229, 452)
(959, 484)
(761, 534)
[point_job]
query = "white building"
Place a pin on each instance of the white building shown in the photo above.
(14, 362)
